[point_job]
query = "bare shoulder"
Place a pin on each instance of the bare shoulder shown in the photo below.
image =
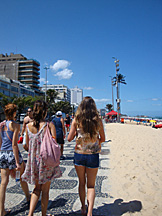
(15, 126)
(74, 122)
(51, 125)
(26, 119)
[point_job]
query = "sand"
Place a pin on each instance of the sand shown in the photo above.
(135, 168)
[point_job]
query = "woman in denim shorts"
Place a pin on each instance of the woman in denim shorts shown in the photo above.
(10, 157)
(88, 129)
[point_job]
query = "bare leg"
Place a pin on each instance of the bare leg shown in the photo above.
(62, 149)
(91, 178)
(34, 198)
(82, 181)
(24, 184)
(4, 182)
(45, 197)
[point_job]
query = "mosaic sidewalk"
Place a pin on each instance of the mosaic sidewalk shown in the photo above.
(64, 197)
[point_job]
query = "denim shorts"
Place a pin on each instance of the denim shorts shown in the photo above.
(87, 160)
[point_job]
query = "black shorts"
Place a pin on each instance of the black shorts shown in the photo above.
(60, 140)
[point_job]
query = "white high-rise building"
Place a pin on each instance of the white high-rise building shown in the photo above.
(76, 96)
(63, 92)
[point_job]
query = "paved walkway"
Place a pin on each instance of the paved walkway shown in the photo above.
(64, 197)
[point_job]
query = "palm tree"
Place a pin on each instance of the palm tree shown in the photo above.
(4, 100)
(119, 78)
(21, 104)
(51, 95)
(64, 106)
(109, 107)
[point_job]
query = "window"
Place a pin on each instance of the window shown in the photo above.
(14, 89)
(4, 85)
(12, 95)
(7, 93)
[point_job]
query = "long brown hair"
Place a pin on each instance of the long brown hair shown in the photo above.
(87, 116)
(39, 112)
(9, 110)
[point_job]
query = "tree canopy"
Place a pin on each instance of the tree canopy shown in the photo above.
(23, 103)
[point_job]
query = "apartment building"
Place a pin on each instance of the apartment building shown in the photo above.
(64, 93)
(17, 67)
(12, 88)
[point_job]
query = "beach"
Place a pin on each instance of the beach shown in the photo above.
(135, 168)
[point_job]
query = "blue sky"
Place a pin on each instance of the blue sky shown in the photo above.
(78, 38)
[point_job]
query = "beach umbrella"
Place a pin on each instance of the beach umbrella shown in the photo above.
(152, 121)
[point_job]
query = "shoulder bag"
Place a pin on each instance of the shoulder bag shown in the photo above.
(50, 150)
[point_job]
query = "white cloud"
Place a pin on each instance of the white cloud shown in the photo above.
(154, 99)
(129, 101)
(88, 88)
(64, 74)
(156, 104)
(102, 100)
(59, 65)
(43, 80)
(45, 64)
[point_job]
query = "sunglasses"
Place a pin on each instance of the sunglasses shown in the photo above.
(29, 111)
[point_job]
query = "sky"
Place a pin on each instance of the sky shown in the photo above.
(77, 39)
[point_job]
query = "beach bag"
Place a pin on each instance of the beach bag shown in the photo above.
(50, 150)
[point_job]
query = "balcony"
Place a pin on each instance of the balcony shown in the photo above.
(26, 66)
(28, 69)
(21, 75)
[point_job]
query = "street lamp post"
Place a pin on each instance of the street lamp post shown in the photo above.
(112, 92)
(46, 68)
(117, 89)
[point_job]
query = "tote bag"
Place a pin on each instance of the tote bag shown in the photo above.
(50, 150)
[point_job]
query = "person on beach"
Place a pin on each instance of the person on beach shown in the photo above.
(10, 157)
(88, 128)
(67, 122)
(58, 121)
(27, 119)
(36, 171)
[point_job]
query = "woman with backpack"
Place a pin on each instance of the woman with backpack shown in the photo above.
(36, 171)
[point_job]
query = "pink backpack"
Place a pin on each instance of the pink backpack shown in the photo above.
(50, 150)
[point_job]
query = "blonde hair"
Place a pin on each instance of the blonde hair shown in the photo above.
(87, 117)
(9, 110)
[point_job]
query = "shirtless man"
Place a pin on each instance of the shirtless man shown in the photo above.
(67, 122)
(27, 119)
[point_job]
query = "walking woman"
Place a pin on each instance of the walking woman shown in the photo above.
(10, 157)
(36, 171)
(88, 128)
